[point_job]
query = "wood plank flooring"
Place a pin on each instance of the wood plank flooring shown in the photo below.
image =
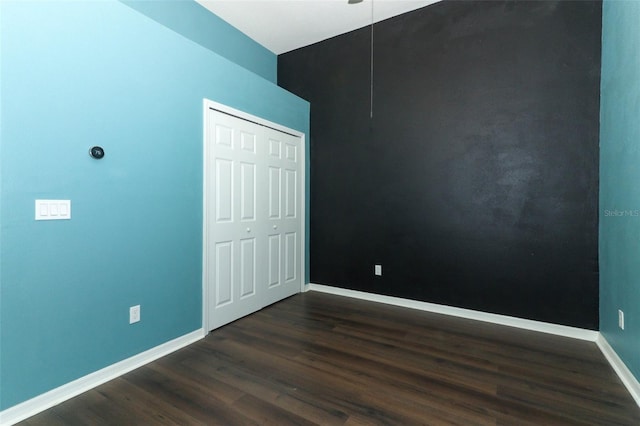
(328, 360)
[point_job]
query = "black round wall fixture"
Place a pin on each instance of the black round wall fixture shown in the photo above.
(96, 152)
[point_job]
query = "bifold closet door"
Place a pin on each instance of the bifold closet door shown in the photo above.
(252, 216)
(283, 216)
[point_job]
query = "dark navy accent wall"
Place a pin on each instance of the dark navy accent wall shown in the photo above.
(475, 184)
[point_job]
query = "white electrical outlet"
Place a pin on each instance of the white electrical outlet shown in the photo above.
(377, 269)
(621, 319)
(134, 314)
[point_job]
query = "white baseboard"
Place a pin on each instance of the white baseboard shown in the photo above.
(627, 377)
(544, 327)
(55, 396)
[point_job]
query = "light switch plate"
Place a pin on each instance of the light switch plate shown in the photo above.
(53, 209)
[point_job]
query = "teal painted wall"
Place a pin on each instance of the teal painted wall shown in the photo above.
(187, 18)
(620, 179)
(78, 74)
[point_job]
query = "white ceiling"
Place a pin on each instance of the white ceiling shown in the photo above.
(285, 25)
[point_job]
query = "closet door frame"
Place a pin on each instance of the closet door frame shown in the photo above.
(212, 105)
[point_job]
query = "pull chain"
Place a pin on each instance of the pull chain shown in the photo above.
(371, 65)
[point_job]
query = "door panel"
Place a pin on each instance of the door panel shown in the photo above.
(291, 150)
(290, 194)
(224, 190)
(290, 255)
(248, 142)
(274, 261)
(274, 192)
(248, 192)
(224, 273)
(223, 135)
(248, 267)
(274, 147)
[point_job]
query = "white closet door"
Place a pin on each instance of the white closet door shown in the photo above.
(252, 217)
(233, 253)
(283, 216)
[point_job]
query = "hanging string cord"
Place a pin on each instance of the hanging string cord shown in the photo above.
(371, 59)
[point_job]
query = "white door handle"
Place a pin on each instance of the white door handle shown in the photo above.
(248, 229)
(275, 226)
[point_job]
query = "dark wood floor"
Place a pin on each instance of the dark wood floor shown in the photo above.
(329, 360)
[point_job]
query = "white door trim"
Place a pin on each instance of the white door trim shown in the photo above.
(207, 105)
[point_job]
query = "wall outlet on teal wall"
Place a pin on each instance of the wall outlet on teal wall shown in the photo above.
(621, 319)
(134, 314)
